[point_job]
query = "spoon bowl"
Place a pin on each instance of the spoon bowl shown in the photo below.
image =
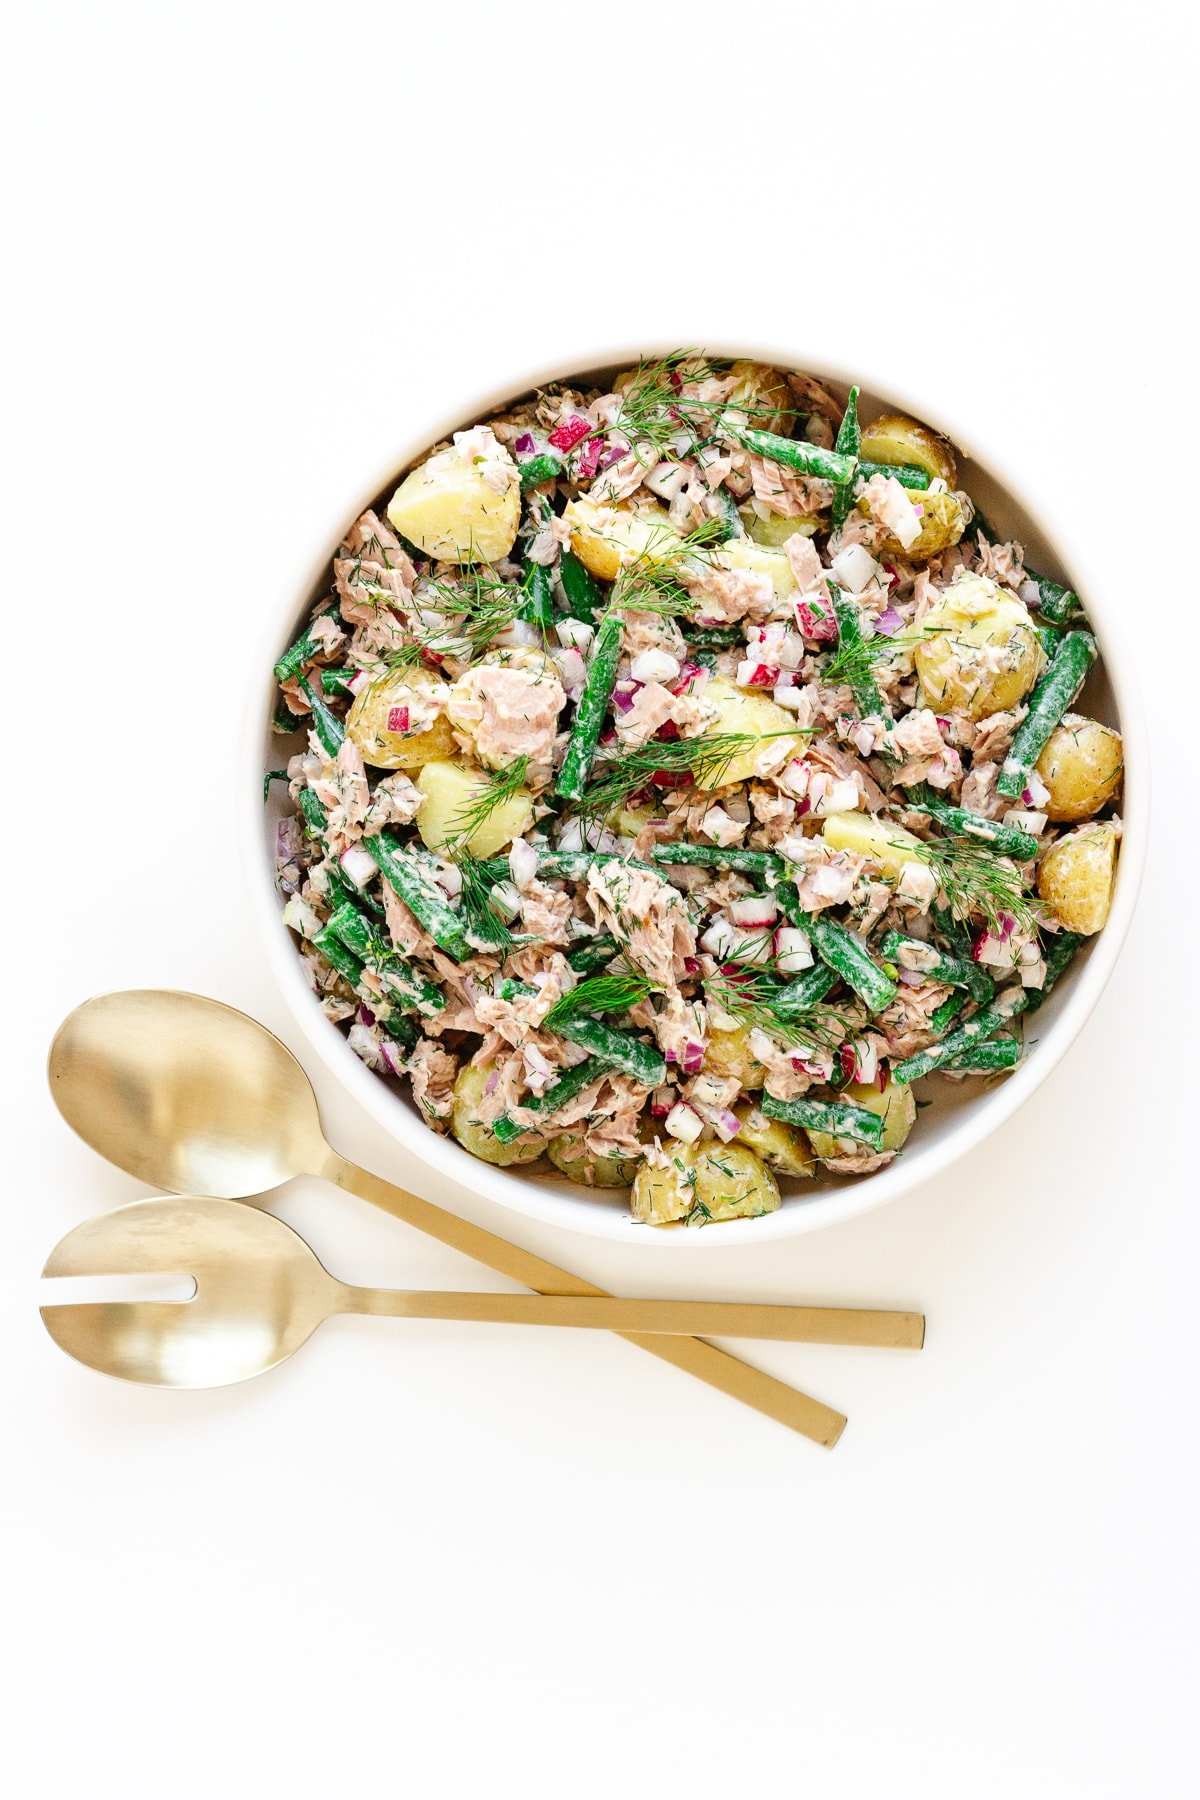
(185, 1094)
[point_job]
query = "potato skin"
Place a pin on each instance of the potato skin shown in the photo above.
(1075, 877)
(449, 788)
(895, 439)
(711, 1181)
(1081, 765)
(729, 1053)
(895, 1105)
(765, 395)
(592, 1171)
(744, 710)
(943, 521)
(447, 509)
(974, 619)
(605, 538)
(367, 719)
(761, 559)
(479, 1139)
(774, 532)
(780, 1146)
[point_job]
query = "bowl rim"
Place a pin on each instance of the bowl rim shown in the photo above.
(508, 1187)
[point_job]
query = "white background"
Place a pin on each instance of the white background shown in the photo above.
(250, 248)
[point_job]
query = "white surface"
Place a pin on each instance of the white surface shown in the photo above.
(436, 1560)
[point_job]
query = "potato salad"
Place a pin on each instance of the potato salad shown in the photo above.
(681, 772)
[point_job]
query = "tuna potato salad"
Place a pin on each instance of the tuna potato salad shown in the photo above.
(684, 772)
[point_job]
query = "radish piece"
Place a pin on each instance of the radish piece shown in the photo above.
(684, 1124)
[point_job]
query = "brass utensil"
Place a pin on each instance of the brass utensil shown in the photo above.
(261, 1293)
(190, 1095)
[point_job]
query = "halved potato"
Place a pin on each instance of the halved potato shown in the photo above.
(781, 1146)
(606, 538)
(592, 1171)
(448, 509)
(1081, 765)
(704, 1183)
(1075, 877)
(894, 439)
(985, 653)
(880, 840)
(943, 521)
(764, 394)
(760, 559)
(479, 1138)
(450, 791)
(774, 532)
(729, 1053)
(895, 1105)
(374, 718)
(743, 710)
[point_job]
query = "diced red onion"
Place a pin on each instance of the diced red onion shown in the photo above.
(692, 964)
(365, 1016)
(845, 1055)
(1026, 797)
(489, 1086)
(893, 577)
(672, 778)
(726, 1124)
(589, 459)
(661, 1102)
(570, 432)
(911, 977)
(888, 623)
(612, 455)
(668, 733)
(524, 445)
(693, 1058)
(389, 1054)
(608, 736)
(623, 695)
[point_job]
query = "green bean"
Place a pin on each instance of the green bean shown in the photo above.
(943, 1016)
(1005, 840)
(285, 721)
(296, 655)
(342, 889)
(568, 1085)
(862, 683)
(579, 586)
(315, 816)
(719, 856)
(593, 704)
(399, 1026)
(1057, 604)
(991, 1053)
(329, 728)
(1060, 953)
(337, 955)
(806, 991)
(953, 930)
(359, 936)
(939, 966)
(714, 637)
(539, 469)
(337, 681)
(840, 950)
(1050, 637)
(907, 474)
(593, 953)
(1047, 704)
(537, 608)
(620, 1051)
(1005, 1006)
(837, 1118)
(573, 865)
(798, 454)
(404, 876)
(849, 442)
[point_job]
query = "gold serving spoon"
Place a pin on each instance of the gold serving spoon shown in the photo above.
(193, 1096)
(260, 1293)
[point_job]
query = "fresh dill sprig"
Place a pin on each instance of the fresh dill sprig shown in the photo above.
(706, 759)
(977, 882)
(599, 993)
(497, 786)
(653, 581)
(750, 1002)
(474, 903)
(655, 411)
(476, 606)
(855, 661)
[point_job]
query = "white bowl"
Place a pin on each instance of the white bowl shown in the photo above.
(948, 1129)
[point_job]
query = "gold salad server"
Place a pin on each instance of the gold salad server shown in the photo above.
(260, 1292)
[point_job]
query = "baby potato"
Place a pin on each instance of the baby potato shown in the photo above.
(605, 538)
(894, 439)
(764, 394)
(1081, 765)
(745, 710)
(704, 1182)
(761, 559)
(449, 791)
(592, 1171)
(1075, 877)
(943, 521)
(729, 1053)
(985, 654)
(448, 508)
(478, 1138)
(774, 532)
(374, 720)
(895, 1105)
(878, 839)
(779, 1145)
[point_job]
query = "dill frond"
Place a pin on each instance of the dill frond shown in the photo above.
(599, 993)
(706, 759)
(976, 883)
(497, 786)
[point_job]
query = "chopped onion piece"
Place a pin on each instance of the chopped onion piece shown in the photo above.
(684, 1124)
